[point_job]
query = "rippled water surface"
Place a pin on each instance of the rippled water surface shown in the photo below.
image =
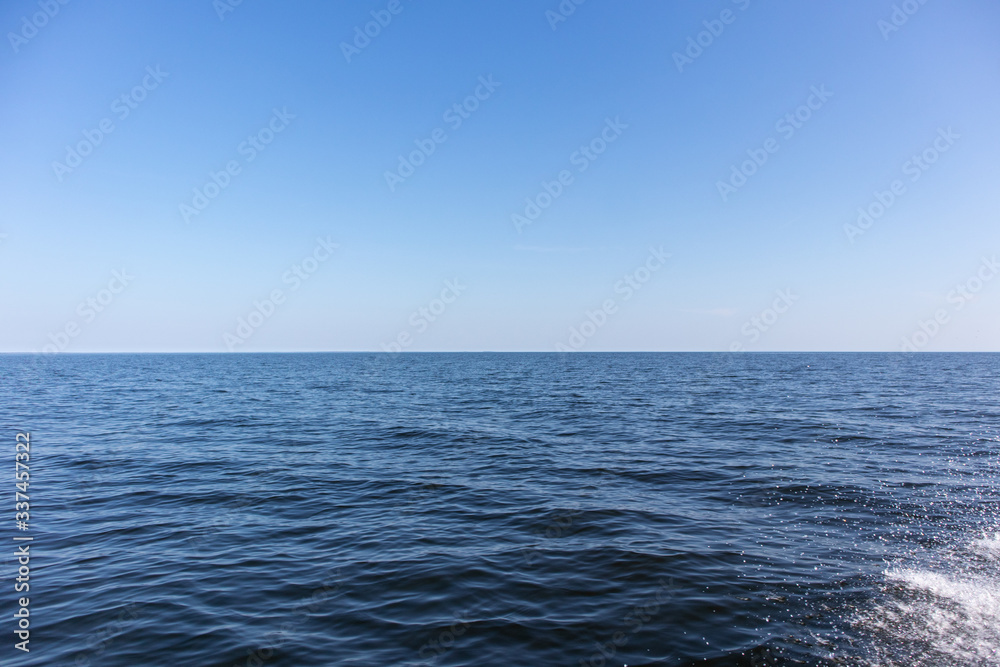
(509, 509)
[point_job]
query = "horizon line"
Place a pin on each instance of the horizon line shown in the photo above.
(407, 352)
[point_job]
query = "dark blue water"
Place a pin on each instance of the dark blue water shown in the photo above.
(508, 509)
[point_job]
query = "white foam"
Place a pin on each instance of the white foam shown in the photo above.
(975, 596)
(956, 614)
(988, 545)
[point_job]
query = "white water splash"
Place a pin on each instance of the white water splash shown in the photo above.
(947, 613)
(988, 545)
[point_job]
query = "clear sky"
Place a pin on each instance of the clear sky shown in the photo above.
(622, 122)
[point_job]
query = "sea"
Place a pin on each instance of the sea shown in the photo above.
(499, 509)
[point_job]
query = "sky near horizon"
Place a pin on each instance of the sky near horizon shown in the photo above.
(500, 175)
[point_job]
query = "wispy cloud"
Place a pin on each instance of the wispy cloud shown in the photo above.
(538, 248)
(716, 312)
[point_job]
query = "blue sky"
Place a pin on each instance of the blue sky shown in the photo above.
(779, 263)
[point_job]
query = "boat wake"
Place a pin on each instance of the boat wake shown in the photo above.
(945, 612)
